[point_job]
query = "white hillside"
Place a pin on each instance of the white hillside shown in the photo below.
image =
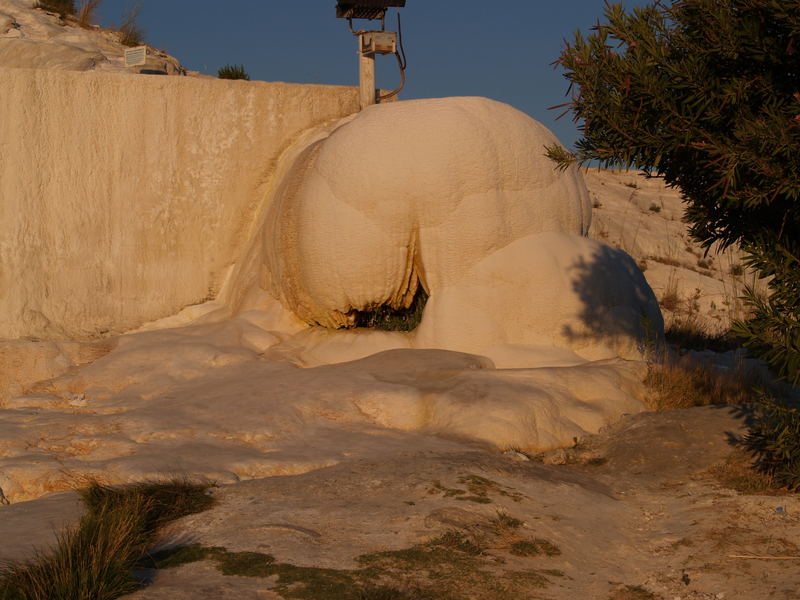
(643, 217)
(34, 38)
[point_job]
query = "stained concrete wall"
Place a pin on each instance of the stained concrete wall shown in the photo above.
(126, 199)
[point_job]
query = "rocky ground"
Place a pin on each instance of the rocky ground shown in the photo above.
(637, 512)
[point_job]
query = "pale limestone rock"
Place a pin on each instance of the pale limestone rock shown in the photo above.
(412, 193)
(550, 290)
(30, 54)
(8, 25)
(126, 200)
(454, 195)
(38, 39)
(197, 400)
(23, 363)
(558, 456)
(644, 218)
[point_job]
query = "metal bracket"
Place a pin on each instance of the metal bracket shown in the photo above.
(377, 42)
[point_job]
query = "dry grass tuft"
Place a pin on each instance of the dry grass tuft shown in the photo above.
(667, 260)
(670, 300)
(684, 382)
(93, 557)
(633, 592)
(737, 473)
(94, 560)
(62, 7)
(689, 332)
(86, 11)
(131, 34)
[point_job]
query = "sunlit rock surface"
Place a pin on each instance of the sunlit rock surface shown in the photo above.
(412, 193)
(454, 195)
(218, 266)
(125, 200)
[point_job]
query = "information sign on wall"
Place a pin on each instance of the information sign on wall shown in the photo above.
(136, 56)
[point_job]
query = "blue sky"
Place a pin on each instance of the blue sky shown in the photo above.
(454, 48)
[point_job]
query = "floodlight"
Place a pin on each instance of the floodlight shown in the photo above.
(371, 43)
(366, 9)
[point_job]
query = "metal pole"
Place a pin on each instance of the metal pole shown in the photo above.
(366, 79)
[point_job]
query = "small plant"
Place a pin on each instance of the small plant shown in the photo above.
(704, 263)
(670, 300)
(456, 540)
(504, 522)
(86, 12)
(130, 32)
(632, 184)
(233, 72)
(534, 547)
(655, 208)
(737, 270)
(737, 473)
(62, 7)
(394, 319)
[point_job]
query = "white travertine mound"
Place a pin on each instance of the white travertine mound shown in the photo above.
(455, 195)
(412, 193)
(206, 401)
(549, 290)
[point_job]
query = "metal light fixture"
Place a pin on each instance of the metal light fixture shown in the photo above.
(366, 9)
(371, 43)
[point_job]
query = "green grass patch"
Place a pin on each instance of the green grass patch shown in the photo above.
(96, 559)
(504, 522)
(534, 547)
(454, 564)
(477, 490)
(458, 541)
(292, 582)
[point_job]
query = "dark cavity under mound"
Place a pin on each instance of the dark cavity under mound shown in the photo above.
(394, 319)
